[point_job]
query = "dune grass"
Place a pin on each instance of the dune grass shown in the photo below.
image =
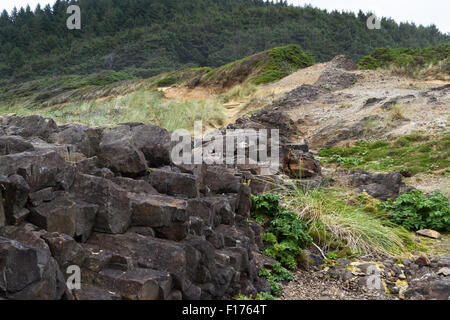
(140, 106)
(350, 229)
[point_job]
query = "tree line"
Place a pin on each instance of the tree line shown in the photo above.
(146, 37)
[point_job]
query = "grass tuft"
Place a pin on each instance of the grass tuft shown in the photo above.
(337, 225)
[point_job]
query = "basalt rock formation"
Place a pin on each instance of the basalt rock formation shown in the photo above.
(111, 202)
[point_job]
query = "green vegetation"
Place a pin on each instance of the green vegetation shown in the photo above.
(346, 228)
(261, 68)
(181, 77)
(277, 274)
(259, 296)
(148, 37)
(415, 63)
(412, 154)
(404, 57)
(415, 211)
(140, 106)
(283, 61)
(102, 79)
(285, 235)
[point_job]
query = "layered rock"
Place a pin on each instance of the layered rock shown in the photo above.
(79, 196)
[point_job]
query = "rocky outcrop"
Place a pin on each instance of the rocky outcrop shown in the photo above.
(378, 185)
(344, 62)
(74, 195)
(335, 79)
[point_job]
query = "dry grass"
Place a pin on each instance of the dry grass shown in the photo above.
(333, 220)
(140, 106)
(398, 112)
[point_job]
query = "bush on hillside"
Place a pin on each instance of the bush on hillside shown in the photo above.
(282, 62)
(286, 235)
(405, 57)
(414, 211)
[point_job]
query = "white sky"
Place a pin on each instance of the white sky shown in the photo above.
(423, 12)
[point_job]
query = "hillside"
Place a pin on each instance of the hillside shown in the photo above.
(89, 179)
(143, 38)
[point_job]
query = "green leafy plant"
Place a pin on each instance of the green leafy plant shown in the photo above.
(415, 211)
(352, 161)
(278, 273)
(259, 296)
(285, 235)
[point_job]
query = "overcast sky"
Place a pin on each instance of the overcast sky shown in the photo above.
(424, 12)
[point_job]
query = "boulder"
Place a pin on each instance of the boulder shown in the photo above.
(299, 164)
(12, 144)
(218, 180)
(147, 252)
(56, 216)
(41, 196)
(380, 186)
(14, 196)
(202, 208)
(29, 126)
(173, 183)
(29, 271)
(114, 210)
(65, 250)
(138, 284)
(86, 214)
(72, 217)
(135, 186)
(40, 169)
(118, 153)
(156, 210)
(85, 139)
(154, 142)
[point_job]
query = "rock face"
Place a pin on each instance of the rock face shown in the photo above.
(380, 186)
(79, 196)
(29, 270)
(344, 62)
(336, 79)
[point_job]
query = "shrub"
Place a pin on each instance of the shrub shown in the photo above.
(416, 211)
(282, 62)
(285, 235)
(278, 273)
(404, 60)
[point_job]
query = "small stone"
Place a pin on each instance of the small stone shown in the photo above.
(429, 233)
(422, 261)
(444, 271)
